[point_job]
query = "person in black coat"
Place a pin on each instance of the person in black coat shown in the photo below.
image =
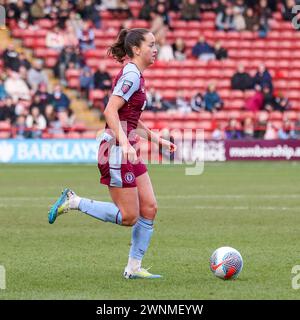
(241, 80)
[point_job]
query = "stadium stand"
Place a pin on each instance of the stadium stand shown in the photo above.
(277, 49)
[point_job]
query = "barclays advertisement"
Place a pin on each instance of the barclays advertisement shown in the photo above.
(48, 151)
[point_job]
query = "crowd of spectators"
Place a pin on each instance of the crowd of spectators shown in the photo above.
(26, 102)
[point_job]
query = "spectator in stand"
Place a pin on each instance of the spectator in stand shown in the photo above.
(218, 133)
(70, 38)
(36, 103)
(261, 125)
(251, 20)
(219, 51)
(159, 23)
(102, 79)
(75, 22)
(225, 20)
(89, 12)
(241, 80)
(23, 21)
(55, 39)
(281, 103)
(179, 49)
(23, 61)
(6, 112)
(119, 8)
(43, 95)
(63, 13)
(265, 14)
(11, 58)
(256, 102)
(59, 100)
(3, 93)
(148, 7)
(287, 131)
(190, 10)
(37, 10)
(16, 87)
(263, 77)
(220, 6)
(239, 19)
(248, 128)
(36, 122)
(165, 52)
(207, 5)
(287, 10)
(22, 107)
(240, 6)
(50, 10)
(86, 37)
(181, 102)
(270, 132)
(197, 102)
(297, 127)
(269, 99)
(67, 59)
(212, 99)
(36, 75)
(86, 81)
(155, 102)
(233, 130)
(202, 50)
(20, 125)
(15, 9)
(53, 124)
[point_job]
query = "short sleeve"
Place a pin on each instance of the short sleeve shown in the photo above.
(127, 85)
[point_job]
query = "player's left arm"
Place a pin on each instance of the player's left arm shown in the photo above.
(143, 131)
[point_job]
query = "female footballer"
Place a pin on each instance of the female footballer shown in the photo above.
(120, 165)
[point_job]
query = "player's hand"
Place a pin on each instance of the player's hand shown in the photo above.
(129, 153)
(168, 145)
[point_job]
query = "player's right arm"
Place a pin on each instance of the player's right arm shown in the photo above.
(112, 119)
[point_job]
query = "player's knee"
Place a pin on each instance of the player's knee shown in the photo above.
(130, 218)
(149, 211)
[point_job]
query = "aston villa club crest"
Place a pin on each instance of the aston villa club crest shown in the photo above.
(126, 86)
(129, 177)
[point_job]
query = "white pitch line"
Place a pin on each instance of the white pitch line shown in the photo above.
(174, 197)
(238, 208)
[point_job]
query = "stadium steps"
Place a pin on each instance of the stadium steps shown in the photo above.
(5, 39)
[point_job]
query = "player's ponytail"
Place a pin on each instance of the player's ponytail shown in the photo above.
(126, 40)
(117, 50)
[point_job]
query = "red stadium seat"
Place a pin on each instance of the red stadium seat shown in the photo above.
(275, 115)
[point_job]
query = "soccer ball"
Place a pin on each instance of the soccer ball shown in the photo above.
(226, 263)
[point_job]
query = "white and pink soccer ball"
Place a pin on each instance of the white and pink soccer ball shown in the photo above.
(226, 263)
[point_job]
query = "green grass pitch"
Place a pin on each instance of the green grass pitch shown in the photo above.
(253, 207)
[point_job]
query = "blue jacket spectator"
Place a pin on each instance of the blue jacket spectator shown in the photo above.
(59, 100)
(263, 77)
(3, 93)
(202, 47)
(212, 99)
